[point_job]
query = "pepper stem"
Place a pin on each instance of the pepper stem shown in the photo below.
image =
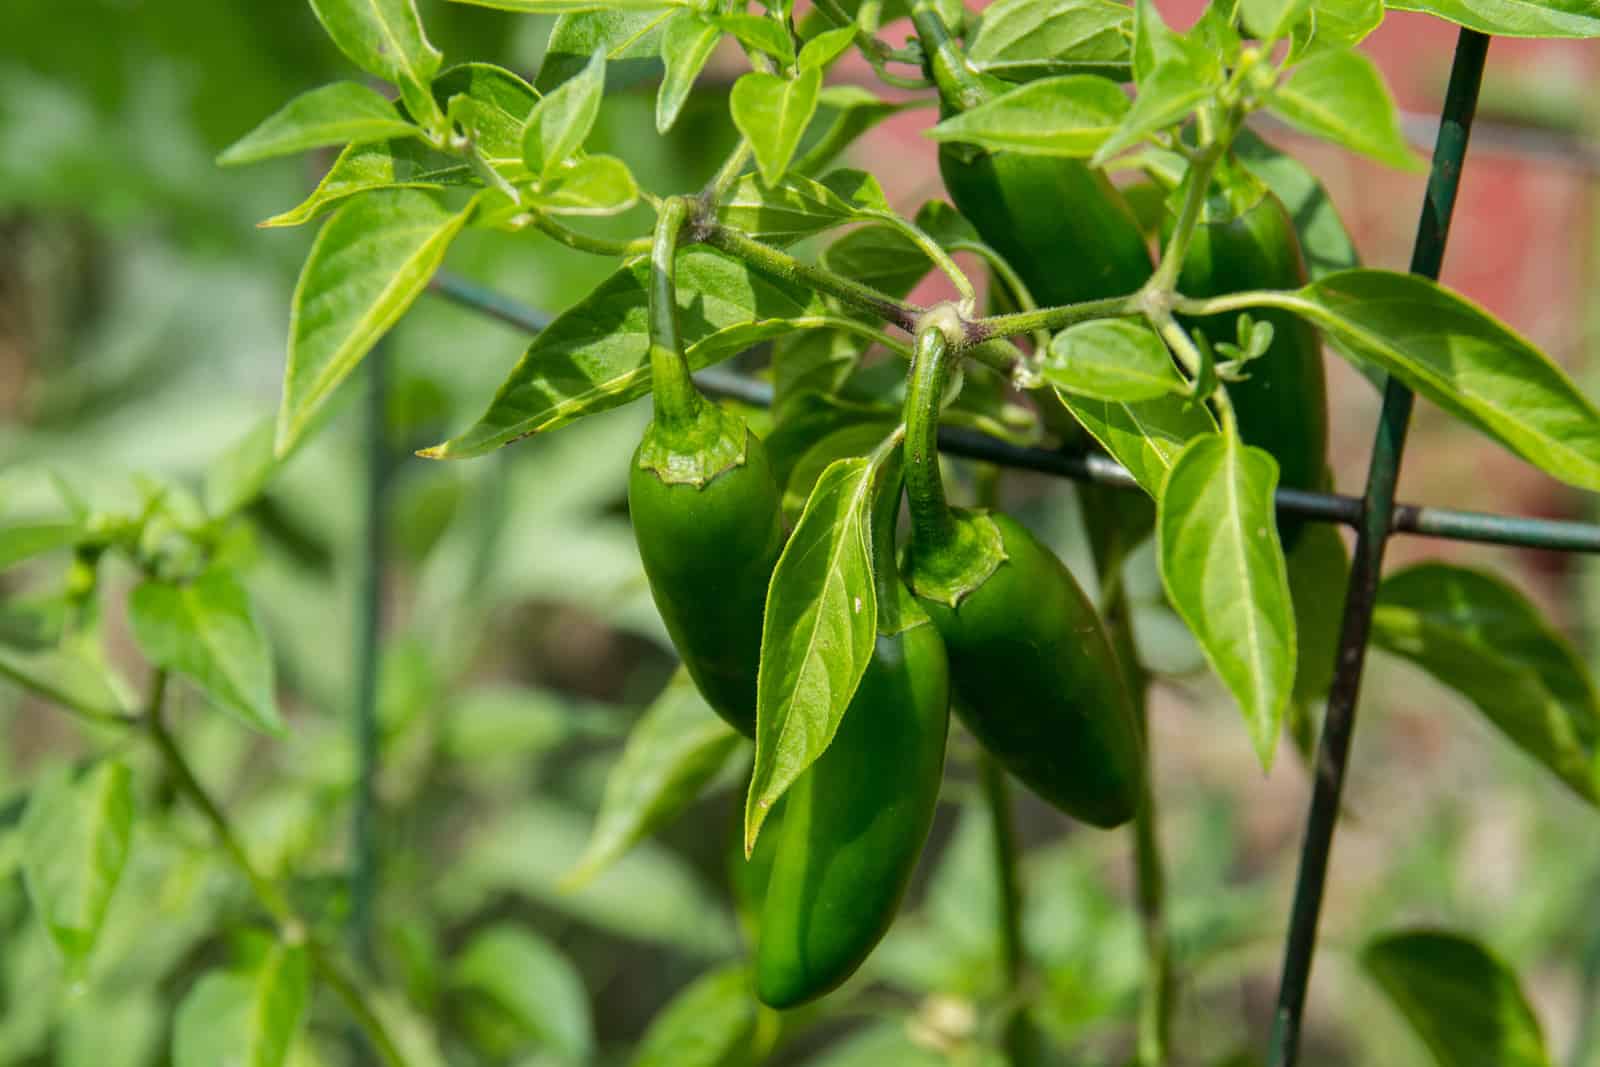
(889, 476)
(959, 85)
(932, 524)
(677, 401)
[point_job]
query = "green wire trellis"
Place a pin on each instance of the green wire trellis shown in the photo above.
(1375, 516)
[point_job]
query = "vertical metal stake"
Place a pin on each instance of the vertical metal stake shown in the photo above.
(1333, 751)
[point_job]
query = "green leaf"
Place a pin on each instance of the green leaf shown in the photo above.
(759, 33)
(1111, 359)
(533, 982)
(857, 438)
(630, 37)
(561, 121)
(566, 7)
(370, 262)
(237, 476)
(363, 168)
(1324, 241)
(881, 256)
(826, 47)
(1024, 39)
(67, 678)
(675, 750)
(794, 208)
(1512, 18)
(334, 114)
(385, 38)
(75, 838)
(855, 112)
(1460, 357)
(248, 1019)
(1165, 99)
(1319, 575)
(773, 114)
(501, 103)
(25, 540)
(1072, 115)
(1346, 23)
(1465, 1004)
(1339, 95)
(1270, 20)
(1224, 570)
(1146, 437)
(706, 1025)
(591, 185)
(1155, 45)
(1484, 639)
(686, 46)
(206, 629)
(817, 636)
(596, 355)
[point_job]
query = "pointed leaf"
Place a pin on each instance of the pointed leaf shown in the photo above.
(1165, 99)
(817, 636)
(248, 1019)
(567, 7)
(1466, 1005)
(1026, 39)
(385, 37)
(343, 112)
(675, 750)
(686, 46)
(1146, 436)
(596, 355)
(1512, 18)
(1155, 44)
(75, 838)
(1111, 359)
(1224, 570)
(206, 629)
(707, 1024)
(534, 983)
(67, 678)
(773, 114)
(1339, 95)
(501, 104)
(561, 121)
(825, 47)
(759, 33)
(362, 168)
(630, 36)
(1346, 23)
(1484, 639)
(1067, 116)
(372, 259)
(592, 185)
(796, 207)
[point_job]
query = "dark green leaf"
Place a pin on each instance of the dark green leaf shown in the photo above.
(708, 1024)
(206, 629)
(1319, 573)
(75, 838)
(531, 980)
(341, 113)
(1111, 359)
(796, 207)
(676, 749)
(1466, 1005)
(1224, 571)
(1481, 637)
(596, 355)
(1072, 115)
(1324, 241)
(881, 256)
(248, 1019)
(1512, 18)
(630, 34)
(773, 114)
(1339, 95)
(855, 439)
(819, 632)
(370, 262)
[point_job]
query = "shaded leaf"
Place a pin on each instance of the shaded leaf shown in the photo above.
(1324, 242)
(1270, 20)
(248, 1019)
(501, 101)
(361, 168)
(75, 838)
(629, 34)
(1145, 436)
(794, 208)
(704, 1025)
(385, 37)
(591, 185)
(531, 980)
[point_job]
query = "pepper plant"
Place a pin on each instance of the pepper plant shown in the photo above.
(1156, 287)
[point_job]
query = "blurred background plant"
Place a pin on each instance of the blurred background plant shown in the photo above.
(142, 326)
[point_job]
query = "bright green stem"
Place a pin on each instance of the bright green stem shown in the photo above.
(1051, 319)
(932, 525)
(677, 401)
(583, 242)
(889, 476)
(959, 85)
(1198, 181)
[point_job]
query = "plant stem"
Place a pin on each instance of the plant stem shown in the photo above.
(1183, 346)
(1052, 318)
(932, 525)
(933, 250)
(1165, 278)
(959, 86)
(771, 261)
(997, 797)
(677, 401)
(583, 242)
(292, 929)
(726, 175)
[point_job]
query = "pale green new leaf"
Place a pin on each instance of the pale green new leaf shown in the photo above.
(207, 630)
(817, 636)
(1463, 359)
(1224, 571)
(385, 37)
(1484, 639)
(1072, 115)
(362, 168)
(244, 1019)
(75, 838)
(759, 33)
(589, 185)
(1146, 436)
(677, 747)
(341, 113)
(1165, 99)
(561, 121)
(709, 1023)
(1024, 38)
(1155, 45)
(1339, 95)
(1111, 359)
(596, 355)
(773, 114)
(825, 47)
(1513, 18)
(66, 677)
(1465, 1004)
(1346, 23)
(686, 46)
(1270, 20)
(370, 262)
(533, 983)
(24, 540)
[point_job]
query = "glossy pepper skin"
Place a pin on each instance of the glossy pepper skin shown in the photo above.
(1282, 406)
(705, 510)
(1035, 674)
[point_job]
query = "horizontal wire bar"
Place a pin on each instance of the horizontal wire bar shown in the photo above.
(1446, 523)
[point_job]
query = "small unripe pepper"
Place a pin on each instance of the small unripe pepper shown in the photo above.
(855, 822)
(1036, 678)
(705, 511)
